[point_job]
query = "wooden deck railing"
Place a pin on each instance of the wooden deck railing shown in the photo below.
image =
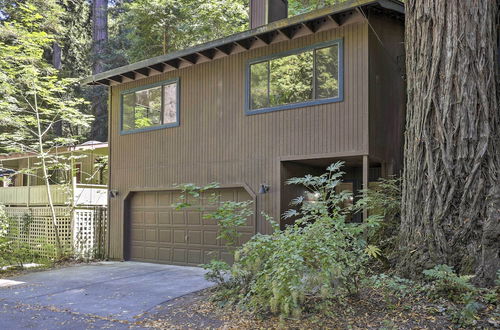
(61, 195)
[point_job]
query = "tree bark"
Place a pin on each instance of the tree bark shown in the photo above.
(451, 197)
(99, 49)
(57, 63)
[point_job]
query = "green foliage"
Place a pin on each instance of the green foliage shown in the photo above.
(447, 284)
(217, 271)
(320, 258)
(153, 28)
(383, 198)
(229, 215)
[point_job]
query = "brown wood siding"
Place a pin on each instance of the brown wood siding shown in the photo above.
(387, 90)
(258, 14)
(217, 142)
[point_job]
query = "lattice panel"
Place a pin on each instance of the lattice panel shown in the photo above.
(89, 232)
(84, 235)
(33, 226)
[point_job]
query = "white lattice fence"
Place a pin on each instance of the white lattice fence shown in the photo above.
(89, 232)
(33, 226)
(83, 232)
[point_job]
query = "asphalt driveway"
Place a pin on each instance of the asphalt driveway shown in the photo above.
(105, 294)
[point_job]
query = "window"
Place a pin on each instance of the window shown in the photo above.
(298, 78)
(150, 107)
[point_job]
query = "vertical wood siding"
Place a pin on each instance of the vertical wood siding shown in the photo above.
(387, 90)
(217, 142)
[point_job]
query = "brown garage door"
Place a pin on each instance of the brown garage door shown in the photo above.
(159, 233)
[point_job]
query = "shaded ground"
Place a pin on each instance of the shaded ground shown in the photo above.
(369, 311)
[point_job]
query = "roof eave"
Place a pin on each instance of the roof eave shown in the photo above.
(120, 75)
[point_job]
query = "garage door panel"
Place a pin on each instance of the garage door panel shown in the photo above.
(137, 252)
(137, 234)
(178, 218)
(195, 256)
(179, 255)
(150, 235)
(150, 253)
(194, 237)
(210, 237)
(150, 199)
(179, 236)
(150, 218)
(165, 254)
(159, 233)
(137, 217)
(165, 199)
(165, 235)
(193, 218)
(164, 218)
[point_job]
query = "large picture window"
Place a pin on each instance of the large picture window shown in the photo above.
(150, 107)
(294, 79)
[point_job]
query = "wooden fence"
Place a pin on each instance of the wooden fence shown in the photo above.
(82, 231)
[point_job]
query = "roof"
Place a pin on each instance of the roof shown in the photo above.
(86, 146)
(282, 30)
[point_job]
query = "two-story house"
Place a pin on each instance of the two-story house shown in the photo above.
(287, 97)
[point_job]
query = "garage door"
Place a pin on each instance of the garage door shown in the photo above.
(159, 233)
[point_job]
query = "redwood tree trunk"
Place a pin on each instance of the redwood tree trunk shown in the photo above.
(451, 196)
(99, 49)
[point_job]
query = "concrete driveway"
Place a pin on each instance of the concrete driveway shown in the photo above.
(104, 294)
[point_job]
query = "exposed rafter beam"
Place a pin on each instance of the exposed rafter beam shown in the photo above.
(335, 19)
(209, 53)
(309, 26)
(192, 58)
(160, 67)
(245, 43)
(129, 75)
(226, 49)
(117, 79)
(265, 37)
(174, 63)
(143, 71)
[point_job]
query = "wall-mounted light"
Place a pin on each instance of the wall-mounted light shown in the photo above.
(264, 188)
(113, 193)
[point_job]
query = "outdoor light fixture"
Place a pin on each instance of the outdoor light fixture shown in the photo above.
(113, 193)
(264, 188)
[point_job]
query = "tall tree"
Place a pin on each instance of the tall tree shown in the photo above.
(99, 51)
(451, 185)
(156, 27)
(32, 97)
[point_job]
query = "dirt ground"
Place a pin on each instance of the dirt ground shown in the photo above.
(369, 311)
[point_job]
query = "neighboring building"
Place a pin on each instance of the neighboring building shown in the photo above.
(79, 196)
(88, 180)
(286, 98)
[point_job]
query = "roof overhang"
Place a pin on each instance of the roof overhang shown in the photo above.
(59, 150)
(286, 29)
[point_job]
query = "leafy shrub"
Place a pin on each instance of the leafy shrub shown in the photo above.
(229, 215)
(447, 284)
(384, 199)
(319, 258)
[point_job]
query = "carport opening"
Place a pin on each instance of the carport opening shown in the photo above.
(352, 179)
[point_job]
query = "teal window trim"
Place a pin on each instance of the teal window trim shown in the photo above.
(156, 127)
(312, 102)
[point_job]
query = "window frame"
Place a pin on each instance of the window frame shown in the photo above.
(149, 86)
(269, 58)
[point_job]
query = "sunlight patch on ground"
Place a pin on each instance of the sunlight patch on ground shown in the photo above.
(7, 283)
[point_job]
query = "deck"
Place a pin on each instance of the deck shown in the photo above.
(84, 194)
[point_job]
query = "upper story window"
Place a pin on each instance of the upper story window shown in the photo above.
(150, 107)
(294, 79)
